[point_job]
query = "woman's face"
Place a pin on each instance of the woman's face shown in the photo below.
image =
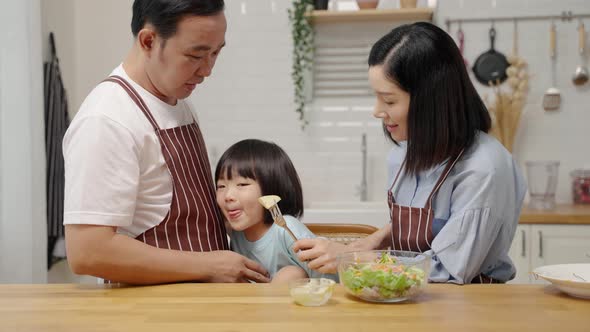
(392, 104)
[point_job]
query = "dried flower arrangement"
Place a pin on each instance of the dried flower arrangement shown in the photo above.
(507, 106)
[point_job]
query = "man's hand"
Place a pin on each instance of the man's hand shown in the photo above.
(228, 266)
(101, 252)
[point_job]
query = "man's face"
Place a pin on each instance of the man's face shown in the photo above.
(177, 65)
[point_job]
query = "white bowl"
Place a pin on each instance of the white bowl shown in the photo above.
(573, 279)
(311, 292)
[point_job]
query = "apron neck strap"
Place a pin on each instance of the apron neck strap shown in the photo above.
(397, 175)
(135, 97)
(443, 177)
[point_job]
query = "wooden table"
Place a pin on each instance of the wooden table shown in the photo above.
(259, 307)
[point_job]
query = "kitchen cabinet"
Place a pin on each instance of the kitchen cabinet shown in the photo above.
(536, 245)
(559, 244)
(520, 253)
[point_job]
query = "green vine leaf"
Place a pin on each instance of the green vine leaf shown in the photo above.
(302, 33)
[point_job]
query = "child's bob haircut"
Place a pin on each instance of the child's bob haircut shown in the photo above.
(270, 166)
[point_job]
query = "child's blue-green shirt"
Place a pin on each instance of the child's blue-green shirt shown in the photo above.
(274, 250)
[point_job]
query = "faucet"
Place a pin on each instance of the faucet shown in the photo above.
(363, 186)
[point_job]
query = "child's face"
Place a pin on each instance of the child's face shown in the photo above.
(238, 200)
(392, 104)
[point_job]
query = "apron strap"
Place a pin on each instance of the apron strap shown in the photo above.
(135, 97)
(442, 178)
(395, 180)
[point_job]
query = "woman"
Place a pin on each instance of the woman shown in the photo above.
(455, 192)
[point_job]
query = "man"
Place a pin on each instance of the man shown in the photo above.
(139, 197)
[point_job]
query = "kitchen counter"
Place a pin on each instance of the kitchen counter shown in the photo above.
(562, 214)
(266, 307)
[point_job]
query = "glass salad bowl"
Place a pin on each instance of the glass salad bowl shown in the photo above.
(311, 292)
(384, 275)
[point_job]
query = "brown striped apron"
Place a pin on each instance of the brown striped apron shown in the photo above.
(411, 227)
(194, 222)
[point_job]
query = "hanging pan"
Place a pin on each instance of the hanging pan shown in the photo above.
(490, 66)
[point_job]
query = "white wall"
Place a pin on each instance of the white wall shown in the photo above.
(250, 92)
(91, 36)
(250, 95)
(102, 38)
(23, 240)
(57, 16)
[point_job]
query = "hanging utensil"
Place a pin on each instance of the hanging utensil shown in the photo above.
(514, 70)
(581, 75)
(552, 97)
(513, 58)
(490, 67)
(461, 38)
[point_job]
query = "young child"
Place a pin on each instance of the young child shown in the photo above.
(247, 170)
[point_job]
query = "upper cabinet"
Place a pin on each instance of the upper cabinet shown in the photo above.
(369, 15)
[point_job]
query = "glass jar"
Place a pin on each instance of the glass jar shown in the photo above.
(581, 186)
(542, 181)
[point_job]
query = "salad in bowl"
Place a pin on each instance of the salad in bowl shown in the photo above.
(384, 275)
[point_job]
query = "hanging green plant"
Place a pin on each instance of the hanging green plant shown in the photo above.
(302, 33)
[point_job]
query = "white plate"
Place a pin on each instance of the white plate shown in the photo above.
(569, 278)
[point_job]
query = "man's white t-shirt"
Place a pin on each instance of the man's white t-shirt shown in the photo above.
(116, 174)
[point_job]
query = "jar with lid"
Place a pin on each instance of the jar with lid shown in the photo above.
(581, 186)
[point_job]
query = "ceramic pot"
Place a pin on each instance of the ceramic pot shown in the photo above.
(408, 3)
(367, 4)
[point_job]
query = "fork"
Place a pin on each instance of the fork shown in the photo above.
(275, 212)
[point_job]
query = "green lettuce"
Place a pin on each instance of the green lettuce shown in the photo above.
(380, 281)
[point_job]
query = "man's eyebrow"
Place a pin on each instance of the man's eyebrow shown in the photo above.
(200, 48)
(204, 47)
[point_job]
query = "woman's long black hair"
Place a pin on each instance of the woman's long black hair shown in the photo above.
(445, 110)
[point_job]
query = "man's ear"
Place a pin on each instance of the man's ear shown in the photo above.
(147, 39)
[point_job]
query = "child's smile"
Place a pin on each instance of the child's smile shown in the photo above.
(238, 199)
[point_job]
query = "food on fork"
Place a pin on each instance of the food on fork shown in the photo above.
(269, 201)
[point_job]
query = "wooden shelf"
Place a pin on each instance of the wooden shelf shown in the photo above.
(367, 15)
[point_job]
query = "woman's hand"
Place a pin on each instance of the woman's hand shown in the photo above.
(320, 253)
